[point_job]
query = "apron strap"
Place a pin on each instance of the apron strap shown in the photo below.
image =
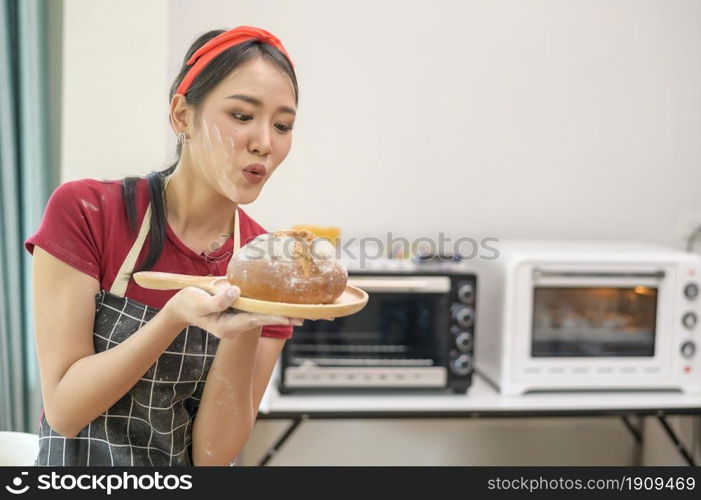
(121, 281)
(119, 286)
(237, 231)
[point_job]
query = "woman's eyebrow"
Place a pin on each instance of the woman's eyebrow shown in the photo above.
(257, 102)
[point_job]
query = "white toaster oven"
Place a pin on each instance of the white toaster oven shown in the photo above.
(568, 315)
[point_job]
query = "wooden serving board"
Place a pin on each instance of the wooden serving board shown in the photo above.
(351, 300)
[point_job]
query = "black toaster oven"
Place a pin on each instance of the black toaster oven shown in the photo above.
(417, 332)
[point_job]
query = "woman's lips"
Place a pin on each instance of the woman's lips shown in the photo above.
(254, 173)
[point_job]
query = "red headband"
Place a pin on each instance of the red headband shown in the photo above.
(219, 44)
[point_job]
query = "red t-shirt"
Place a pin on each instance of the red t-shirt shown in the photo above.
(85, 225)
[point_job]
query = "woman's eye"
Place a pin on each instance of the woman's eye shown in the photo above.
(242, 117)
(282, 127)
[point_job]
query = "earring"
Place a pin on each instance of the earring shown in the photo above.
(182, 138)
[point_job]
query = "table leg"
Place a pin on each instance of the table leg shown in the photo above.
(675, 439)
(636, 429)
(278, 444)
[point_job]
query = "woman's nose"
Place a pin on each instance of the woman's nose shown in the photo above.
(260, 140)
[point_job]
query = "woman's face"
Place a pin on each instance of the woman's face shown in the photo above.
(244, 130)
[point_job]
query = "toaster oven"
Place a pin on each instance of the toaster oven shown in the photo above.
(416, 332)
(567, 315)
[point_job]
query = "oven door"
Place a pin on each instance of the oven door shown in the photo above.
(593, 323)
(391, 343)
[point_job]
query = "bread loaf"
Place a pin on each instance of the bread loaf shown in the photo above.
(288, 266)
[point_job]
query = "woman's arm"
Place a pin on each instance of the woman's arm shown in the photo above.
(235, 386)
(77, 384)
(225, 416)
(268, 352)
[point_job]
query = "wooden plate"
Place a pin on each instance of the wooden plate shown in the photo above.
(351, 300)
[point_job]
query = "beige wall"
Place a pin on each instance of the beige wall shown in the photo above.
(511, 118)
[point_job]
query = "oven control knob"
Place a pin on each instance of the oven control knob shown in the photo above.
(688, 349)
(462, 365)
(691, 291)
(689, 320)
(464, 341)
(464, 316)
(466, 293)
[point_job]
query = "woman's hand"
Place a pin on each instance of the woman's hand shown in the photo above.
(193, 306)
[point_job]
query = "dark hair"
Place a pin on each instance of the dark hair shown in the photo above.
(213, 73)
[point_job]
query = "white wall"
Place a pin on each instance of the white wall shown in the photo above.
(511, 118)
(115, 98)
(508, 118)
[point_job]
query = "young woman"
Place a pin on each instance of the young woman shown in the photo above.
(132, 376)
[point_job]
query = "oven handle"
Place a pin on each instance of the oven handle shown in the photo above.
(555, 278)
(540, 273)
(408, 284)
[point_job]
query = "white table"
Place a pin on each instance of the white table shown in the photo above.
(482, 400)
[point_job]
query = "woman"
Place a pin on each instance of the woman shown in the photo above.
(132, 376)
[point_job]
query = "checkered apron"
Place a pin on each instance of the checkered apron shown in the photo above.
(151, 425)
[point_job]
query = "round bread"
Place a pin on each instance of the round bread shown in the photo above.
(288, 266)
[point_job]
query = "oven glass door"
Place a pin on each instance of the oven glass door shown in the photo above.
(617, 317)
(396, 328)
